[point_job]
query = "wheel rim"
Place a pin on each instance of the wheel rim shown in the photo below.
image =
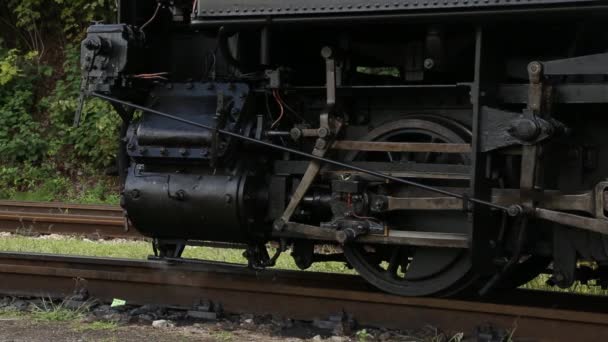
(406, 270)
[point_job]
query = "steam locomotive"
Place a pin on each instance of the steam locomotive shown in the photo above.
(440, 146)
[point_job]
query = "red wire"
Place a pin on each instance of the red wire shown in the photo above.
(278, 99)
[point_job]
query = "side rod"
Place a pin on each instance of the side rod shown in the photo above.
(310, 156)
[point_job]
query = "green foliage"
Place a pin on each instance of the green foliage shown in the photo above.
(20, 138)
(67, 16)
(40, 152)
(50, 311)
(363, 336)
(95, 140)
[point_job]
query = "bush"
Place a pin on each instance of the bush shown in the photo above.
(40, 151)
(95, 140)
(20, 135)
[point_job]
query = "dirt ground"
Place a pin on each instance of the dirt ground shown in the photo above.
(25, 329)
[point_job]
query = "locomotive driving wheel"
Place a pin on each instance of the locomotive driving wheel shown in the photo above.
(415, 270)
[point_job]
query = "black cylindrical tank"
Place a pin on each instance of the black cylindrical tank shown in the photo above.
(213, 207)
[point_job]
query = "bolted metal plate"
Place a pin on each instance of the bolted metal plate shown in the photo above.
(232, 8)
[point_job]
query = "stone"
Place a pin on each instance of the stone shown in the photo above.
(267, 328)
(245, 317)
(317, 338)
(19, 305)
(145, 319)
(282, 323)
(385, 336)
(112, 317)
(103, 308)
(160, 312)
(176, 315)
(81, 294)
(5, 301)
(161, 324)
(339, 339)
(143, 310)
(205, 305)
(74, 304)
(324, 324)
(202, 315)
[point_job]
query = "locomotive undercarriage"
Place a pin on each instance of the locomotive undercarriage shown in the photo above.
(449, 158)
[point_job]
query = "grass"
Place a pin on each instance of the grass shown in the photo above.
(222, 336)
(52, 312)
(540, 283)
(83, 190)
(141, 250)
(11, 314)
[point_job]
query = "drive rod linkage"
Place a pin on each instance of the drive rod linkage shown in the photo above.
(513, 211)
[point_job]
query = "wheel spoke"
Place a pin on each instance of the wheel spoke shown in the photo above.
(394, 263)
(427, 155)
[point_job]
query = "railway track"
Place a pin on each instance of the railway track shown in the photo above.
(301, 295)
(33, 218)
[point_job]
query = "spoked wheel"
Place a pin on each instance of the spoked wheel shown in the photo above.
(411, 270)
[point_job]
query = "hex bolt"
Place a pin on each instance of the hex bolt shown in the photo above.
(327, 52)
(295, 134)
(164, 151)
(534, 67)
(321, 144)
(429, 63)
(323, 132)
(515, 210)
(183, 152)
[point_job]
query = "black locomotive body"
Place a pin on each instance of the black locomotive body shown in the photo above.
(439, 145)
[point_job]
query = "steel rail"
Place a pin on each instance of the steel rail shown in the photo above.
(532, 315)
(100, 221)
(61, 208)
(309, 155)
